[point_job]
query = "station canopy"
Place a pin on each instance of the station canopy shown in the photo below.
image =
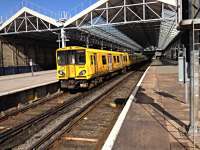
(129, 23)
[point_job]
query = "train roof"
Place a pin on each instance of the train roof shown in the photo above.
(88, 49)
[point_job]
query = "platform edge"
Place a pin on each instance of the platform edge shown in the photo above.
(108, 145)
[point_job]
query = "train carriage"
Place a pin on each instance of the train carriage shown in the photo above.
(83, 67)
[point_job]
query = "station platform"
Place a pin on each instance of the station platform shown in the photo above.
(20, 82)
(158, 116)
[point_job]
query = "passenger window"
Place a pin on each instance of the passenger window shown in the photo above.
(114, 59)
(91, 59)
(104, 60)
(118, 59)
(95, 59)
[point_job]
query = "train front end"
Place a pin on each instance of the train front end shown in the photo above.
(71, 67)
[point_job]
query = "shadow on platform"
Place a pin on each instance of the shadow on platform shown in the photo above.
(145, 99)
(157, 112)
(167, 95)
(164, 63)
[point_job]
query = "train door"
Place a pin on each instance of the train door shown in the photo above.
(110, 67)
(95, 63)
(92, 65)
(121, 61)
(71, 67)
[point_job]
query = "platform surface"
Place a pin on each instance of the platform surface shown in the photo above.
(15, 83)
(158, 118)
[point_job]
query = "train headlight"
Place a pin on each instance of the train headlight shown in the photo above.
(61, 72)
(82, 73)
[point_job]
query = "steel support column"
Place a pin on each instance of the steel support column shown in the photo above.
(194, 82)
(63, 37)
(186, 79)
(1, 54)
(191, 42)
(194, 71)
(87, 41)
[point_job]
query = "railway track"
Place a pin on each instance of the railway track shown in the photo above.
(90, 130)
(44, 128)
(14, 124)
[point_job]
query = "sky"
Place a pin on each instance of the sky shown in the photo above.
(53, 7)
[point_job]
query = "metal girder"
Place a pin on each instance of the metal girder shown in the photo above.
(121, 14)
(103, 38)
(168, 30)
(114, 36)
(104, 13)
(27, 20)
(27, 23)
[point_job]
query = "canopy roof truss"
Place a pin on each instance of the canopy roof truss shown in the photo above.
(27, 20)
(121, 12)
(129, 23)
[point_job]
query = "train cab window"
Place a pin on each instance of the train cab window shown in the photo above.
(80, 57)
(91, 60)
(118, 59)
(71, 57)
(104, 60)
(61, 58)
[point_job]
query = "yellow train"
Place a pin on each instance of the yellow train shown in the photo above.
(80, 67)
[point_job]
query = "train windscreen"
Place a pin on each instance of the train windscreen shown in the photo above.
(70, 57)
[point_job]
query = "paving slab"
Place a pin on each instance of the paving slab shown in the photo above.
(159, 116)
(20, 82)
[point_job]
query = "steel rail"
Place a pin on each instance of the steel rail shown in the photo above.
(4, 136)
(16, 130)
(11, 113)
(43, 140)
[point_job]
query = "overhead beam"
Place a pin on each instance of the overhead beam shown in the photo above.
(104, 9)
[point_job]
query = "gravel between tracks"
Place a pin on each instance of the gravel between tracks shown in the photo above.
(66, 114)
(91, 132)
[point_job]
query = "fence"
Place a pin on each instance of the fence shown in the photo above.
(17, 70)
